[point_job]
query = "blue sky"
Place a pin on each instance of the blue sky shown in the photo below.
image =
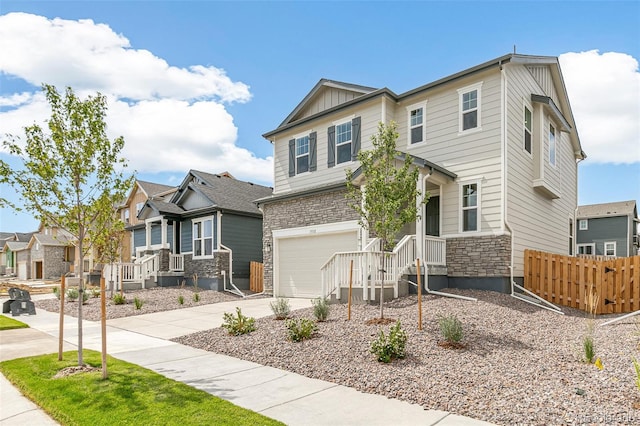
(161, 65)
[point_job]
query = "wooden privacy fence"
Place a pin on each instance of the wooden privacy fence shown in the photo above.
(566, 281)
(256, 277)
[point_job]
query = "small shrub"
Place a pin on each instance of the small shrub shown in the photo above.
(138, 303)
(386, 348)
(95, 292)
(181, 299)
(301, 329)
(280, 308)
(72, 294)
(320, 308)
(588, 348)
(451, 328)
(238, 324)
(119, 299)
(85, 296)
(196, 297)
(56, 291)
(636, 365)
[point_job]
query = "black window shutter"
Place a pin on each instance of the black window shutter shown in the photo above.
(292, 157)
(331, 146)
(355, 138)
(313, 137)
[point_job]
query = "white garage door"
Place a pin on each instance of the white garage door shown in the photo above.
(300, 260)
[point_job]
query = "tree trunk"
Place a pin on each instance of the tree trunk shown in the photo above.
(80, 300)
(382, 271)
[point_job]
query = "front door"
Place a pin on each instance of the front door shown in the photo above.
(432, 217)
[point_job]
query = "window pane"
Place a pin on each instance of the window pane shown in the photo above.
(302, 145)
(470, 100)
(416, 134)
(208, 246)
(416, 117)
(470, 120)
(197, 230)
(470, 220)
(527, 141)
(302, 164)
(469, 195)
(197, 248)
(527, 119)
(552, 145)
(208, 228)
(343, 133)
(344, 153)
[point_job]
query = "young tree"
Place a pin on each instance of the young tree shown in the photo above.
(388, 201)
(71, 174)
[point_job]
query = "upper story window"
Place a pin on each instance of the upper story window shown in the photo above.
(416, 123)
(302, 154)
(528, 125)
(583, 224)
(587, 249)
(470, 207)
(139, 207)
(125, 216)
(203, 237)
(552, 145)
(470, 107)
(570, 237)
(343, 142)
(610, 248)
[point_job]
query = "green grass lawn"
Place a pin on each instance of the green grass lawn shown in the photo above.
(132, 395)
(7, 323)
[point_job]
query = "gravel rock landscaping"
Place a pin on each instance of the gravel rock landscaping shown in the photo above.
(155, 299)
(521, 364)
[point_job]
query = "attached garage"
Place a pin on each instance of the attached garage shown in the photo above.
(298, 260)
(22, 271)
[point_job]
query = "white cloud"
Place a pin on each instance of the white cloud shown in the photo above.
(604, 91)
(172, 118)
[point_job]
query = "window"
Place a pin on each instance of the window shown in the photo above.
(583, 224)
(610, 248)
(139, 207)
(552, 145)
(416, 119)
(586, 249)
(203, 238)
(302, 154)
(469, 107)
(343, 142)
(125, 216)
(527, 129)
(470, 207)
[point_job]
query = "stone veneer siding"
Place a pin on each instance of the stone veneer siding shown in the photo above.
(316, 209)
(479, 257)
(209, 270)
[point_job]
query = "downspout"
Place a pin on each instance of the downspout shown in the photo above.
(534, 299)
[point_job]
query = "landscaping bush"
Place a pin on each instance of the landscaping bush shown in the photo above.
(95, 292)
(238, 324)
(196, 297)
(386, 348)
(138, 303)
(119, 299)
(320, 308)
(181, 299)
(588, 348)
(300, 329)
(451, 328)
(636, 365)
(56, 291)
(280, 308)
(72, 294)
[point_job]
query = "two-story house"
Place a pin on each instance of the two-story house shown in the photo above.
(497, 150)
(608, 229)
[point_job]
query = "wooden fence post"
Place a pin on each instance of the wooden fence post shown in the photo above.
(61, 325)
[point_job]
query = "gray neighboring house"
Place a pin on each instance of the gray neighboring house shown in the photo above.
(608, 229)
(50, 256)
(210, 227)
(12, 243)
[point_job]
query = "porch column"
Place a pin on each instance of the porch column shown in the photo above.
(147, 231)
(421, 185)
(163, 230)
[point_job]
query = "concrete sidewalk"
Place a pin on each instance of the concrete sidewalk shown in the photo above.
(282, 395)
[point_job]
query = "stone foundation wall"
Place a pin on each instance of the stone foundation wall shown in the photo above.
(317, 209)
(479, 257)
(209, 270)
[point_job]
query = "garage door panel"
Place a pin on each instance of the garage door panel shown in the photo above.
(300, 260)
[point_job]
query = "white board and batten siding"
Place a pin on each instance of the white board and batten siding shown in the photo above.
(300, 253)
(538, 222)
(328, 97)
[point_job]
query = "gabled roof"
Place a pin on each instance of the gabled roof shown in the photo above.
(620, 208)
(155, 189)
(24, 236)
(16, 245)
(4, 236)
(49, 240)
(371, 93)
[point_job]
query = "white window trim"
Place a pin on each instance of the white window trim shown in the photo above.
(524, 127)
(462, 91)
(614, 248)
(555, 144)
(414, 107)
(461, 208)
(335, 142)
(193, 238)
(586, 224)
(592, 245)
(295, 147)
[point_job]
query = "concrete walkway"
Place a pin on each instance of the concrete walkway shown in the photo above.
(143, 340)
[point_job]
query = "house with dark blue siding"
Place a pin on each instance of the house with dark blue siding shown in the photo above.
(210, 228)
(608, 229)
